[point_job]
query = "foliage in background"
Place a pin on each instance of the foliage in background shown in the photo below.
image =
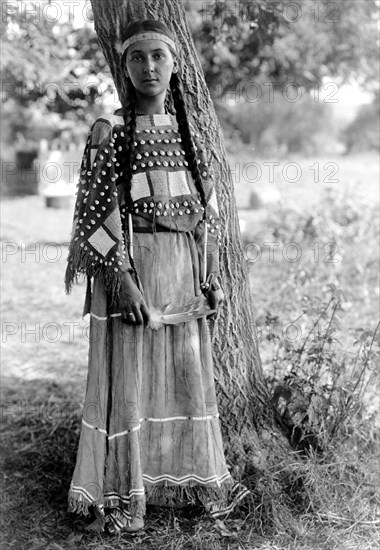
(286, 41)
(320, 390)
(52, 68)
(363, 133)
(321, 362)
(276, 126)
(54, 76)
(253, 52)
(320, 344)
(52, 64)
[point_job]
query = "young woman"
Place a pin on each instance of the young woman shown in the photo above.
(150, 430)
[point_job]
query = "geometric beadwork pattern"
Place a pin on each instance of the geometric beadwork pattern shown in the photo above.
(153, 120)
(140, 186)
(191, 182)
(113, 224)
(101, 241)
(161, 120)
(163, 183)
(213, 201)
(159, 182)
(178, 183)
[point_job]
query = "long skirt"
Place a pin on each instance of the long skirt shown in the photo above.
(150, 430)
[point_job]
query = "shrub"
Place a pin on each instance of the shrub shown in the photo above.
(322, 369)
(363, 133)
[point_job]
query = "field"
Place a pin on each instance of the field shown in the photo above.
(44, 341)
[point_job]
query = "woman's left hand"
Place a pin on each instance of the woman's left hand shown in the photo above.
(215, 299)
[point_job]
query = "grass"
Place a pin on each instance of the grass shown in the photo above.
(298, 180)
(327, 501)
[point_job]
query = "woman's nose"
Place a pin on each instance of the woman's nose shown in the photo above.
(148, 66)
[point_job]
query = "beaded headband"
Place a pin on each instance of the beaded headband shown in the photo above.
(145, 36)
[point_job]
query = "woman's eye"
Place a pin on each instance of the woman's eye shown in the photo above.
(139, 57)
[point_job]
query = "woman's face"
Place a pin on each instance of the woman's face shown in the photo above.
(149, 65)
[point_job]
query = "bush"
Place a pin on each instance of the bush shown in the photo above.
(322, 372)
(363, 134)
(319, 389)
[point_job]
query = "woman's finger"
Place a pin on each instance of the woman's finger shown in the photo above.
(128, 318)
(145, 312)
(138, 316)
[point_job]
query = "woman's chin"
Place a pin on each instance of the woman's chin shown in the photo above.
(151, 88)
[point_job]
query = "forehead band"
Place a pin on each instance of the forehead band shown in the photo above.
(146, 36)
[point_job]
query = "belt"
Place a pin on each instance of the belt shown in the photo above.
(144, 225)
(151, 229)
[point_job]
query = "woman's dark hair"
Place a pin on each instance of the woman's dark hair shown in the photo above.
(129, 113)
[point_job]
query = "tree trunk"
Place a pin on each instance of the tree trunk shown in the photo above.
(249, 429)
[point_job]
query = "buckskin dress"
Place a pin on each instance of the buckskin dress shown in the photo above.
(150, 429)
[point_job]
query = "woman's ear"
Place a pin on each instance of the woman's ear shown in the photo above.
(175, 67)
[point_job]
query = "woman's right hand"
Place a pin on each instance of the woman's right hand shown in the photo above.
(133, 308)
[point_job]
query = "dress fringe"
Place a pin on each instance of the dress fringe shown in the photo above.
(118, 512)
(79, 506)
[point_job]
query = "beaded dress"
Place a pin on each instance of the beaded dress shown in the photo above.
(150, 429)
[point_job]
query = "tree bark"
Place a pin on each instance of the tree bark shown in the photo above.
(250, 433)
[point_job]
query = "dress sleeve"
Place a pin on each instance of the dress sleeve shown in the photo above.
(97, 241)
(101, 135)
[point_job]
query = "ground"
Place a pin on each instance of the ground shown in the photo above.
(44, 360)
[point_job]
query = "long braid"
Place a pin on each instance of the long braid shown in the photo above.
(129, 116)
(184, 130)
(168, 104)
